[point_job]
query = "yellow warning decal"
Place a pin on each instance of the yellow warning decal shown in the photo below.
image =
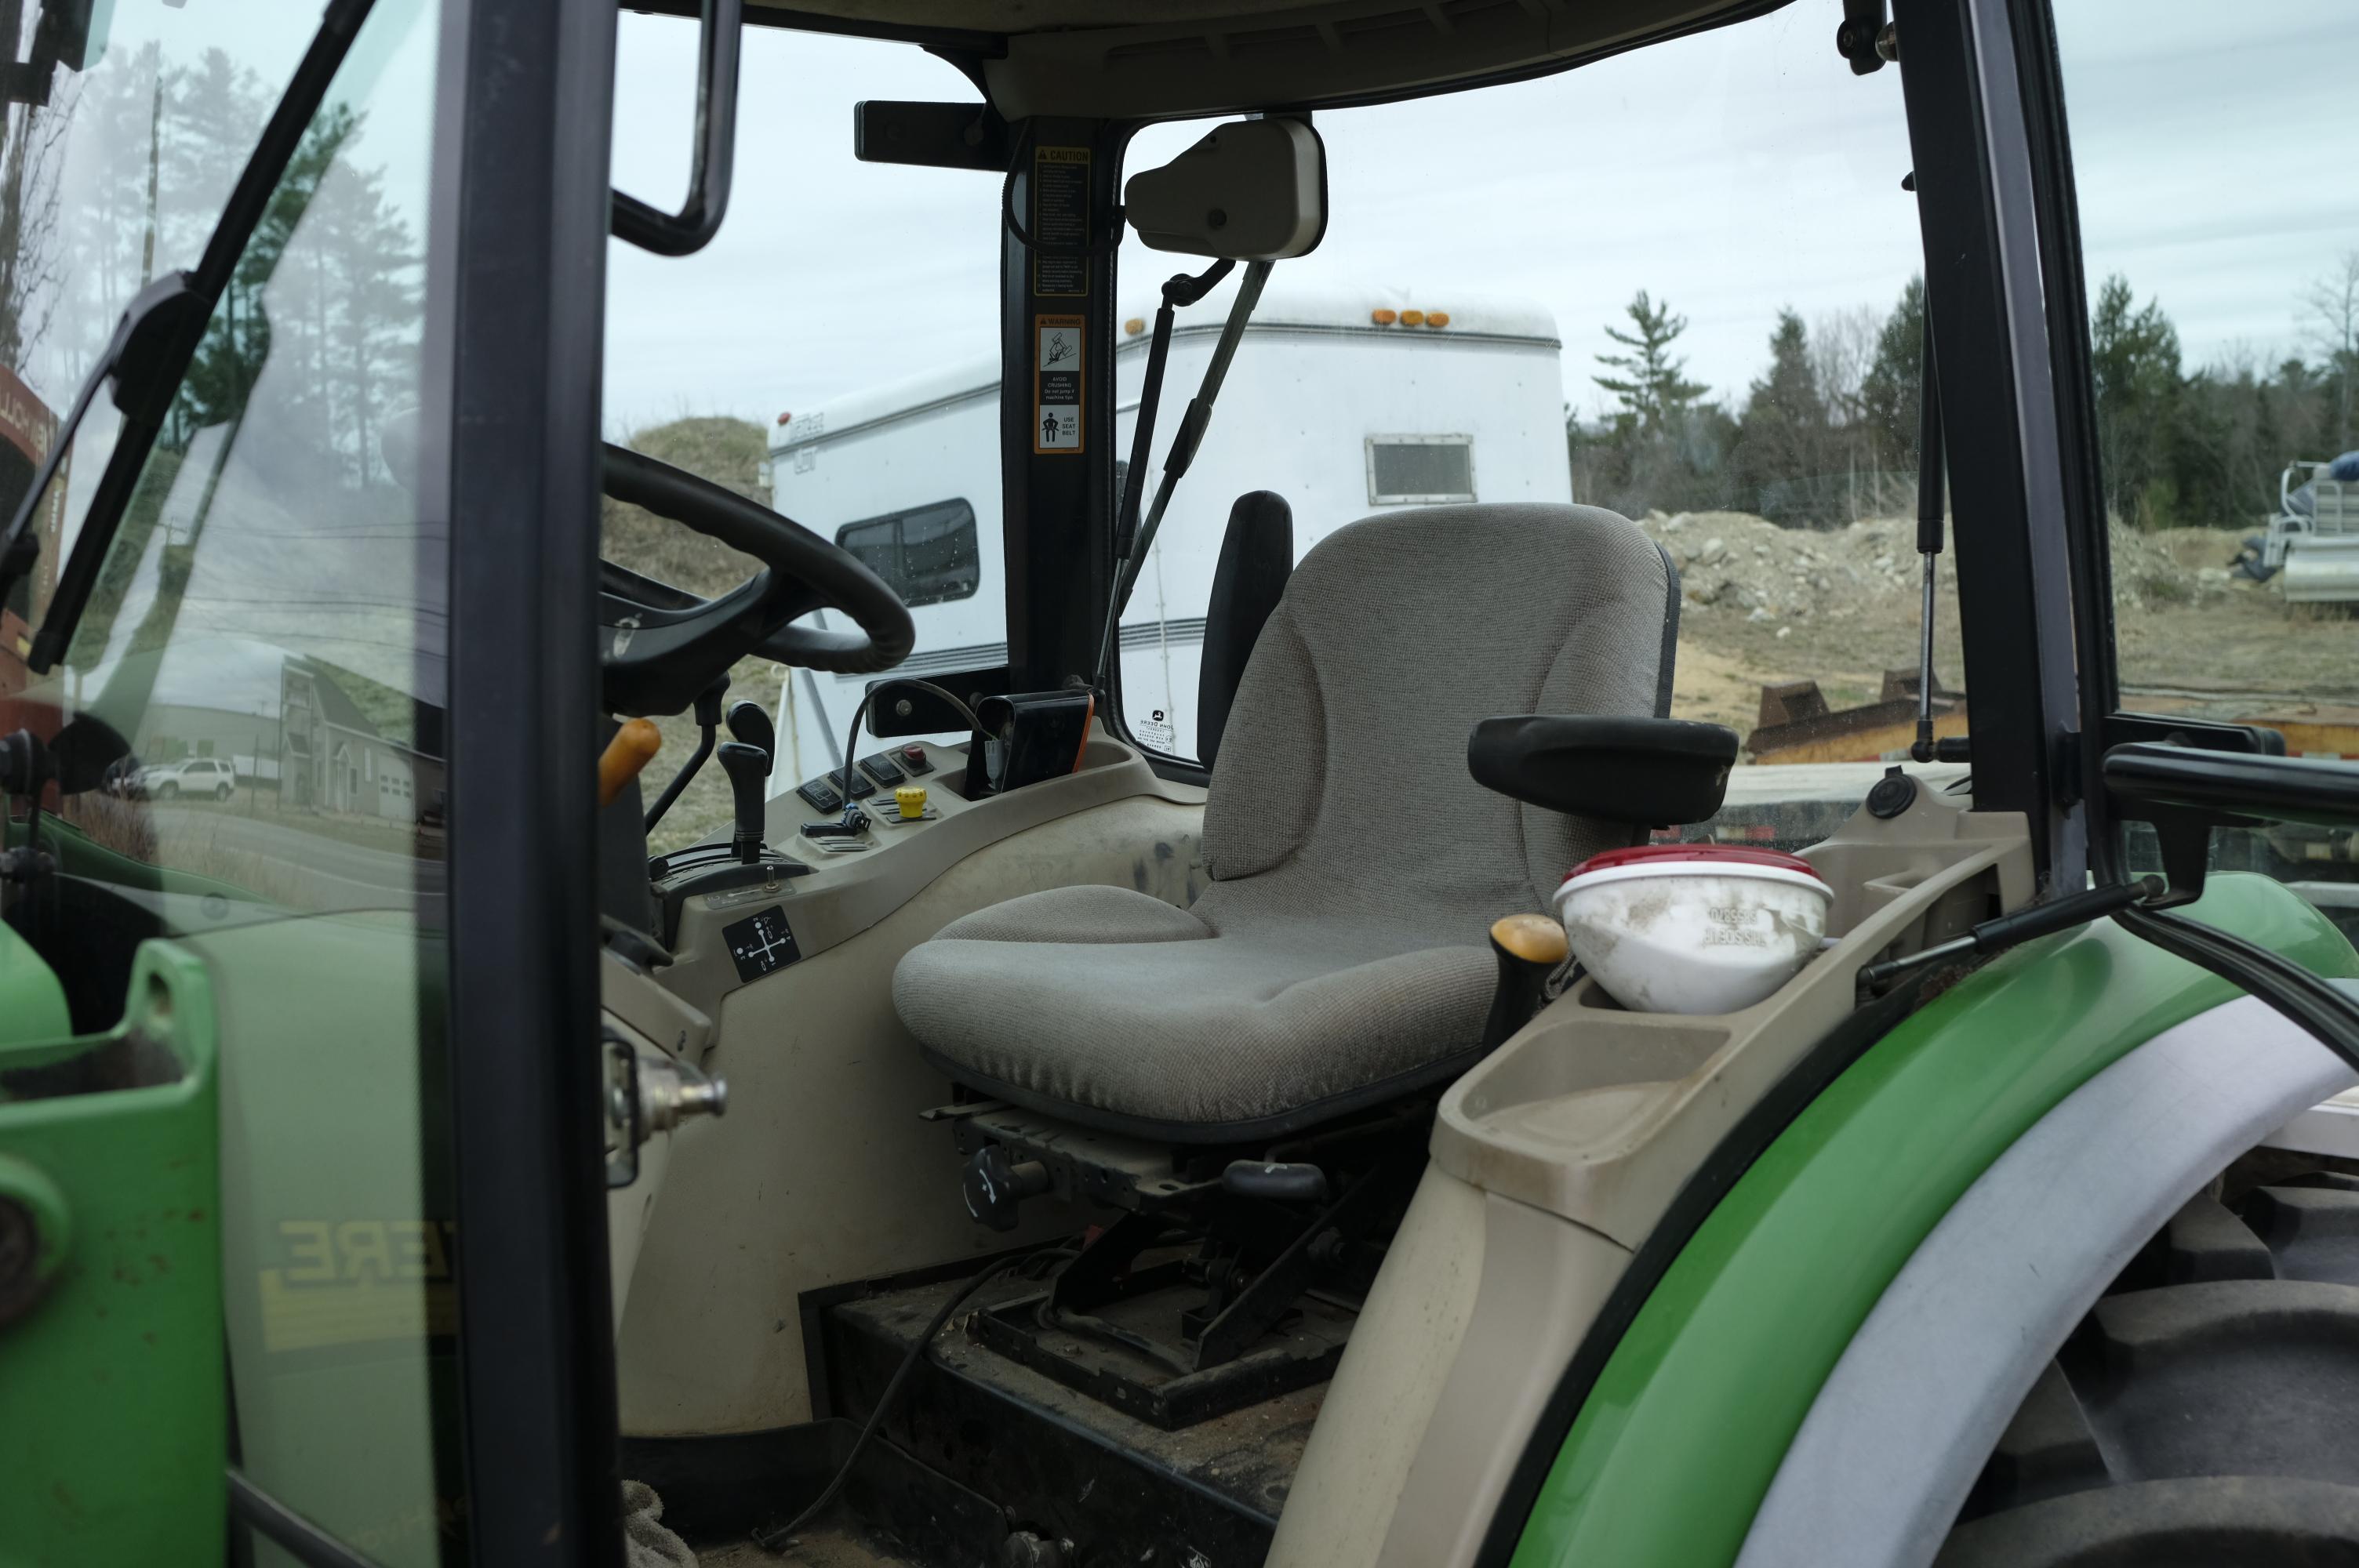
(1060, 222)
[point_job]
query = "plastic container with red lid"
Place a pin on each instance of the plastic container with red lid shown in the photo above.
(1664, 854)
(1694, 928)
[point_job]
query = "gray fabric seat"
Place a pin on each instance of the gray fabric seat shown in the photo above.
(1338, 957)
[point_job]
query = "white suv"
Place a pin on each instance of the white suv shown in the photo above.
(198, 776)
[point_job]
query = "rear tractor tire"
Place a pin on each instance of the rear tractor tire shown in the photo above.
(2206, 1412)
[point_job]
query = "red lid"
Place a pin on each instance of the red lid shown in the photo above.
(1709, 854)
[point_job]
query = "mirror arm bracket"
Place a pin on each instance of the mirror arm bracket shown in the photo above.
(692, 227)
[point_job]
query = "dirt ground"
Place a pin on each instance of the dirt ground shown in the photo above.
(1841, 606)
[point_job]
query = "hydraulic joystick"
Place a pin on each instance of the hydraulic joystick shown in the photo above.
(749, 768)
(750, 722)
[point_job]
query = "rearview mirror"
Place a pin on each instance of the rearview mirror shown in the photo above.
(1252, 190)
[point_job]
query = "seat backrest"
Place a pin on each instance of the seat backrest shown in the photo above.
(1256, 558)
(1341, 792)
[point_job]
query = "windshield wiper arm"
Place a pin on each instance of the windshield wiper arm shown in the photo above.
(154, 342)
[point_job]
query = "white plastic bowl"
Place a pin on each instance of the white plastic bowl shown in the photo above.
(1694, 928)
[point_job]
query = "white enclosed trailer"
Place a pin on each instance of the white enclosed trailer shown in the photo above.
(1344, 401)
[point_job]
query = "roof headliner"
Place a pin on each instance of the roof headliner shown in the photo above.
(1170, 58)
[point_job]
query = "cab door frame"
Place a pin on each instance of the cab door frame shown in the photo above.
(515, 304)
(1976, 168)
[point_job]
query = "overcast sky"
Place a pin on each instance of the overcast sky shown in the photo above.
(1730, 173)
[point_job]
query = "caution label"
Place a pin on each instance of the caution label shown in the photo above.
(1060, 221)
(1057, 384)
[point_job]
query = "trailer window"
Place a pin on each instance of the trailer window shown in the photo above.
(1426, 469)
(928, 554)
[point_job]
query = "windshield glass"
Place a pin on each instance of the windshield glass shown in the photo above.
(2222, 262)
(876, 428)
(113, 181)
(1706, 319)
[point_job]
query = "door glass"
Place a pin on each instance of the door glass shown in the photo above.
(1474, 329)
(833, 353)
(267, 632)
(2222, 255)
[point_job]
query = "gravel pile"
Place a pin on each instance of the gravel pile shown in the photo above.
(1732, 564)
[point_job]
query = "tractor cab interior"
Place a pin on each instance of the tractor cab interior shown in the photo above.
(1270, 685)
(1085, 1087)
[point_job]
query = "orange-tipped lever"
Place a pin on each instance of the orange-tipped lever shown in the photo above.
(1529, 947)
(633, 747)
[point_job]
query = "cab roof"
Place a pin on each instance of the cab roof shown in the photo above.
(1174, 59)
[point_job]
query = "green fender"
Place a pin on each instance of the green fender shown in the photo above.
(1679, 1438)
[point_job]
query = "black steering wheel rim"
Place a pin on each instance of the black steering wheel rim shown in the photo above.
(660, 645)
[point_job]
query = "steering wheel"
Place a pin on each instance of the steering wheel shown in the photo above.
(661, 645)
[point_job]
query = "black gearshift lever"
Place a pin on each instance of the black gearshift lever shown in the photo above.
(750, 722)
(749, 768)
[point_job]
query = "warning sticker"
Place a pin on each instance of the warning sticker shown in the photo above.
(1057, 384)
(1155, 734)
(1061, 220)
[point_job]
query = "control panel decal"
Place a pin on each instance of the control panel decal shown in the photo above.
(761, 943)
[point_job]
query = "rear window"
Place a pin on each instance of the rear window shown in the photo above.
(1421, 469)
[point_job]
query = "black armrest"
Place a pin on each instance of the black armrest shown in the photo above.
(1648, 772)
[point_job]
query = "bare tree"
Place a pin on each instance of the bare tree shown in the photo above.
(1843, 345)
(2329, 312)
(30, 261)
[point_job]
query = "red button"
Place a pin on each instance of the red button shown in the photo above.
(914, 752)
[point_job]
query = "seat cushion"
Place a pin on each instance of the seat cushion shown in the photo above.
(1118, 1010)
(1338, 956)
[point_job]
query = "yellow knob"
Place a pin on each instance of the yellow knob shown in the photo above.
(633, 747)
(1534, 938)
(911, 799)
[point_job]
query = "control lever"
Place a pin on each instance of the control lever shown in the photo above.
(1271, 1179)
(750, 722)
(1528, 947)
(708, 715)
(749, 768)
(994, 1184)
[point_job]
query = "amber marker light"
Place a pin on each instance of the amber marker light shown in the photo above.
(1382, 317)
(1412, 319)
(1437, 317)
(1134, 327)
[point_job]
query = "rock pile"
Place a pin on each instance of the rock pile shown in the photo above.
(1734, 564)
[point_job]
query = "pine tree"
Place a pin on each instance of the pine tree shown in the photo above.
(1651, 389)
(1785, 441)
(1890, 396)
(2133, 361)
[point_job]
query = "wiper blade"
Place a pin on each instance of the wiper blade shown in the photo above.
(154, 343)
